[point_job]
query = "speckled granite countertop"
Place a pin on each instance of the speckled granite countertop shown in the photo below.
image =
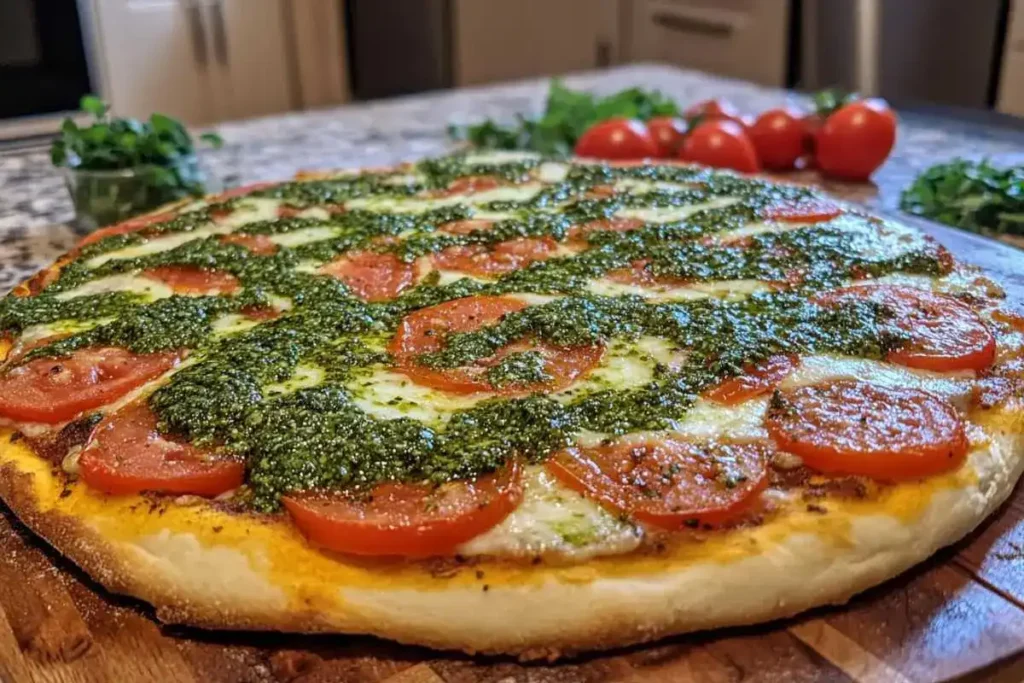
(34, 205)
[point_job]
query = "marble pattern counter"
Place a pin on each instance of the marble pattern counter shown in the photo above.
(34, 205)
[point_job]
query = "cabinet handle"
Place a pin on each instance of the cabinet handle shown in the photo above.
(709, 27)
(197, 31)
(220, 35)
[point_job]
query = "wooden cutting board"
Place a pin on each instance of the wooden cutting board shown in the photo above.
(959, 616)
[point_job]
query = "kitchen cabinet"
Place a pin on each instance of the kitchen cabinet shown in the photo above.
(1011, 80)
(496, 40)
(745, 39)
(211, 60)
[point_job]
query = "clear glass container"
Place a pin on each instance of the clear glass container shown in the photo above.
(105, 197)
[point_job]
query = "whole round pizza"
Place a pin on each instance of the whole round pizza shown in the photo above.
(502, 403)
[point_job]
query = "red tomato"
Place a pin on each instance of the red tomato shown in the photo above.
(57, 389)
(126, 454)
(578, 232)
(131, 225)
(464, 227)
(261, 245)
(372, 276)
(720, 144)
(714, 110)
(856, 139)
(496, 259)
(804, 210)
(756, 380)
(778, 137)
(616, 139)
(856, 428)
(670, 482)
(412, 520)
(425, 330)
(241, 191)
(469, 185)
(945, 335)
(668, 133)
(811, 124)
(190, 280)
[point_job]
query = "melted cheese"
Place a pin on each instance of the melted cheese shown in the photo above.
(670, 214)
(512, 193)
(390, 395)
(304, 377)
(150, 290)
(726, 289)
(157, 245)
(625, 365)
(555, 520)
(301, 236)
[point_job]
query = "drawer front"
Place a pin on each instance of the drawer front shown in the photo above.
(745, 39)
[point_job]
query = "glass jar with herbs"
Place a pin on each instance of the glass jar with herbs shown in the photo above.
(116, 167)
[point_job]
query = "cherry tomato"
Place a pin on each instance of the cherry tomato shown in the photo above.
(190, 280)
(756, 379)
(712, 110)
(720, 144)
(52, 390)
(371, 276)
(778, 137)
(412, 520)
(856, 139)
(425, 330)
(856, 428)
(668, 482)
(668, 133)
(126, 454)
(617, 139)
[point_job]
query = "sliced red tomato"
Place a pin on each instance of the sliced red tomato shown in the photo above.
(804, 210)
(605, 225)
(617, 139)
(372, 276)
(131, 225)
(496, 259)
(411, 520)
(469, 185)
(261, 245)
(425, 330)
(638, 273)
(720, 144)
(670, 482)
(856, 428)
(53, 390)
(261, 313)
(945, 334)
(190, 280)
(126, 454)
(241, 191)
(756, 379)
(464, 227)
(668, 133)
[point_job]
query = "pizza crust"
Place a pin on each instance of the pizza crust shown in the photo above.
(210, 569)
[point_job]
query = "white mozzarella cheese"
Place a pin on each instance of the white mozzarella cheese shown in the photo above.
(389, 395)
(157, 245)
(552, 172)
(499, 156)
(232, 323)
(34, 333)
(633, 186)
(304, 377)
(252, 210)
(625, 365)
(726, 289)
(151, 290)
(513, 193)
(301, 236)
(814, 369)
(554, 520)
(669, 214)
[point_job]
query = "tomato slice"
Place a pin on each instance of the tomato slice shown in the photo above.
(503, 257)
(126, 454)
(857, 428)
(241, 191)
(53, 390)
(424, 331)
(756, 379)
(261, 245)
(192, 281)
(670, 482)
(945, 335)
(413, 520)
(806, 210)
(579, 232)
(372, 276)
(469, 185)
(131, 225)
(464, 227)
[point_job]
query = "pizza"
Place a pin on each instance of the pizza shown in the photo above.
(504, 403)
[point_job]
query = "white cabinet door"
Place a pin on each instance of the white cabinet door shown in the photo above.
(156, 57)
(250, 48)
(497, 40)
(1011, 81)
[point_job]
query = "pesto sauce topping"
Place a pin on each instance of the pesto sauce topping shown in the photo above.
(318, 437)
